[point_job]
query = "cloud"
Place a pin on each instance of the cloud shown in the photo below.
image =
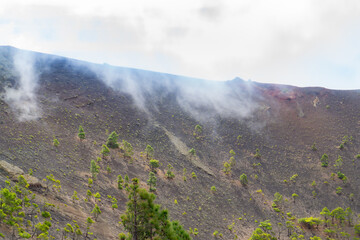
(268, 41)
(211, 11)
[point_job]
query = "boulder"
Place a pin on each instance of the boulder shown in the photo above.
(13, 172)
(10, 170)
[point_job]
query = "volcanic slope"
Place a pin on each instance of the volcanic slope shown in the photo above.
(278, 133)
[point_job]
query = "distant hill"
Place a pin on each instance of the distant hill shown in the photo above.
(278, 134)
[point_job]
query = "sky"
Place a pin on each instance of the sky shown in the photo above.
(295, 42)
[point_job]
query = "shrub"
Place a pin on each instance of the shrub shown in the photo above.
(324, 160)
(105, 151)
(232, 161)
(154, 164)
(314, 194)
(357, 229)
(114, 206)
(128, 149)
(257, 153)
(338, 213)
(278, 197)
(310, 221)
(96, 211)
(198, 129)
(126, 182)
(277, 209)
(313, 147)
(94, 169)
(231, 226)
(81, 133)
(243, 179)
(293, 177)
(97, 196)
(149, 152)
(313, 184)
(74, 197)
(339, 162)
(294, 196)
(260, 234)
(50, 179)
(192, 152)
(169, 173)
(184, 174)
(213, 189)
(227, 168)
(266, 225)
(108, 169)
(120, 182)
(315, 238)
(341, 175)
(238, 138)
(112, 140)
(45, 214)
(332, 175)
(351, 196)
(56, 142)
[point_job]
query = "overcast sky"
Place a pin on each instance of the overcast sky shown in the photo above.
(297, 42)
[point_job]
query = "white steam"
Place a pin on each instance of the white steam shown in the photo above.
(202, 99)
(22, 98)
(111, 76)
(207, 99)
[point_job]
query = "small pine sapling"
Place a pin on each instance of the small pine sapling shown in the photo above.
(169, 173)
(81, 133)
(112, 140)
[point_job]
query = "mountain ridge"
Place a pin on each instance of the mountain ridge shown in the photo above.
(146, 108)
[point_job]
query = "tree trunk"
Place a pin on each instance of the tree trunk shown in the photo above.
(135, 218)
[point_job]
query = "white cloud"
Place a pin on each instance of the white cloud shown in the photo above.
(302, 42)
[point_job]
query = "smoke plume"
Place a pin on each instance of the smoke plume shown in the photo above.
(21, 97)
(202, 99)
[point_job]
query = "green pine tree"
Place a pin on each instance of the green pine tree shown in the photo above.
(149, 152)
(94, 169)
(81, 133)
(154, 164)
(96, 211)
(169, 173)
(128, 149)
(105, 151)
(152, 182)
(243, 179)
(112, 140)
(120, 182)
(144, 219)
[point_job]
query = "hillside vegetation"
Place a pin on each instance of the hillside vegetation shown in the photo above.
(225, 160)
